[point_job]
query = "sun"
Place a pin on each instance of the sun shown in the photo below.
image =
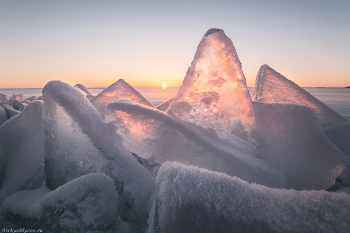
(164, 86)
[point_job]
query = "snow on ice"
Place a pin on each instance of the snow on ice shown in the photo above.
(207, 160)
(190, 199)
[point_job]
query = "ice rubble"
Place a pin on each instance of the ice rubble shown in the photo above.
(214, 92)
(93, 184)
(190, 199)
(118, 90)
(292, 141)
(16, 97)
(21, 154)
(272, 87)
(159, 137)
(78, 142)
(88, 203)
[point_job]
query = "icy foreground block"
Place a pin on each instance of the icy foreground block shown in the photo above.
(82, 88)
(159, 137)
(118, 90)
(86, 203)
(78, 142)
(164, 106)
(272, 87)
(214, 92)
(292, 141)
(190, 199)
(22, 150)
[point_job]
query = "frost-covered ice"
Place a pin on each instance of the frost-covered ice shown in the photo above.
(292, 141)
(88, 203)
(214, 92)
(82, 88)
(272, 87)
(164, 106)
(118, 90)
(191, 199)
(159, 137)
(21, 154)
(78, 142)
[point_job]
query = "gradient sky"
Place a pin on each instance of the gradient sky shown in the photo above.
(95, 43)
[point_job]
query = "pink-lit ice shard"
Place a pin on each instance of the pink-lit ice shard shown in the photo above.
(165, 105)
(214, 92)
(160, 137)
(118, 90)
(272, 87)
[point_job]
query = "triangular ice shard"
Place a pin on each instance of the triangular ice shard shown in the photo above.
(214, 92)
(118, 90)
(22, 149)
(190, 199)
(78, 142)
(291, 140)
(159, 137)
(272, 87)
(165, 105)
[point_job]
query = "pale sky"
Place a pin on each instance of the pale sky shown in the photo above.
(95, 43)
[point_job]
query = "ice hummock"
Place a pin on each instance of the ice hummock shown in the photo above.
(159, 137)
(88, 203)
(291, 140)
(190, 199)
(214, 92)
(78, 142)
(118, 90)
(272, 87)
(22, 149)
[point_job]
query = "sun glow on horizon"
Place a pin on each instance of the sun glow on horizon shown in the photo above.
(164, 86)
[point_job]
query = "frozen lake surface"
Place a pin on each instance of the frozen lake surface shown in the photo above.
(337, 98)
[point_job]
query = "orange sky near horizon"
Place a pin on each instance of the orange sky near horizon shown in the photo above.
(148, 43)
